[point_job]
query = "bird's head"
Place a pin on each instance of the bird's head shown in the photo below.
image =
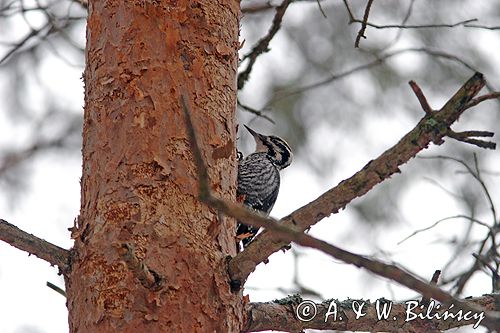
(276, 148)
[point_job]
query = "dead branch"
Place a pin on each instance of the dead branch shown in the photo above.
(49, 252)
(431, 128)
(282, 315)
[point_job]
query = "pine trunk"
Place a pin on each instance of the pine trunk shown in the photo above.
(148, 256)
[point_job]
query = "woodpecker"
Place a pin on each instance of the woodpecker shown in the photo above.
(259, 178)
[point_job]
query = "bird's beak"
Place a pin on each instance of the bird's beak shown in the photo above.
(259, 140)
(254, 134)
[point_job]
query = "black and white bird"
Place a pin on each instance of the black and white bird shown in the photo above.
(259, 178)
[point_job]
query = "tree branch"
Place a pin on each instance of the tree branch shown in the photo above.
(476, 101)
(416, 26)
(420, 96)
(361, 32)
(282, 315)
(255, 112)
(263, 45)
(283, 233)
(431, 128)
(51, 253)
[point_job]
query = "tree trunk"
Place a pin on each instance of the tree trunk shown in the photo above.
(148, 255)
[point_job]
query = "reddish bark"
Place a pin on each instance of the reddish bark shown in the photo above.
(148, 255)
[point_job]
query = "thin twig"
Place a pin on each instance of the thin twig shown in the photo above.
(361, 32)
(321, 9)
(400, 31)
(262, 45)
(416, 232)
(414, 26)
(53, 254)
(485, 262)
(349, 11)
(56, 288)
(255, 112)
(476, 177)
(482, 26)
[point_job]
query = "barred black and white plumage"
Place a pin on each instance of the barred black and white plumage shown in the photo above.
(259, 178)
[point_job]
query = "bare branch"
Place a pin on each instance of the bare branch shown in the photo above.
(263, 45)
(415, 26)
(53, 254)
(282, 315)
(349, 11)
(466, 137)
(361, 32)
(494, 272)
(420, 96)
(431, 128)
(321, 8)
(399, 33)
(476, 101)
(439, 222)
(480, 26)
(255, 112)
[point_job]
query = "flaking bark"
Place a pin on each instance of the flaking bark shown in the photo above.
(138, 186)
